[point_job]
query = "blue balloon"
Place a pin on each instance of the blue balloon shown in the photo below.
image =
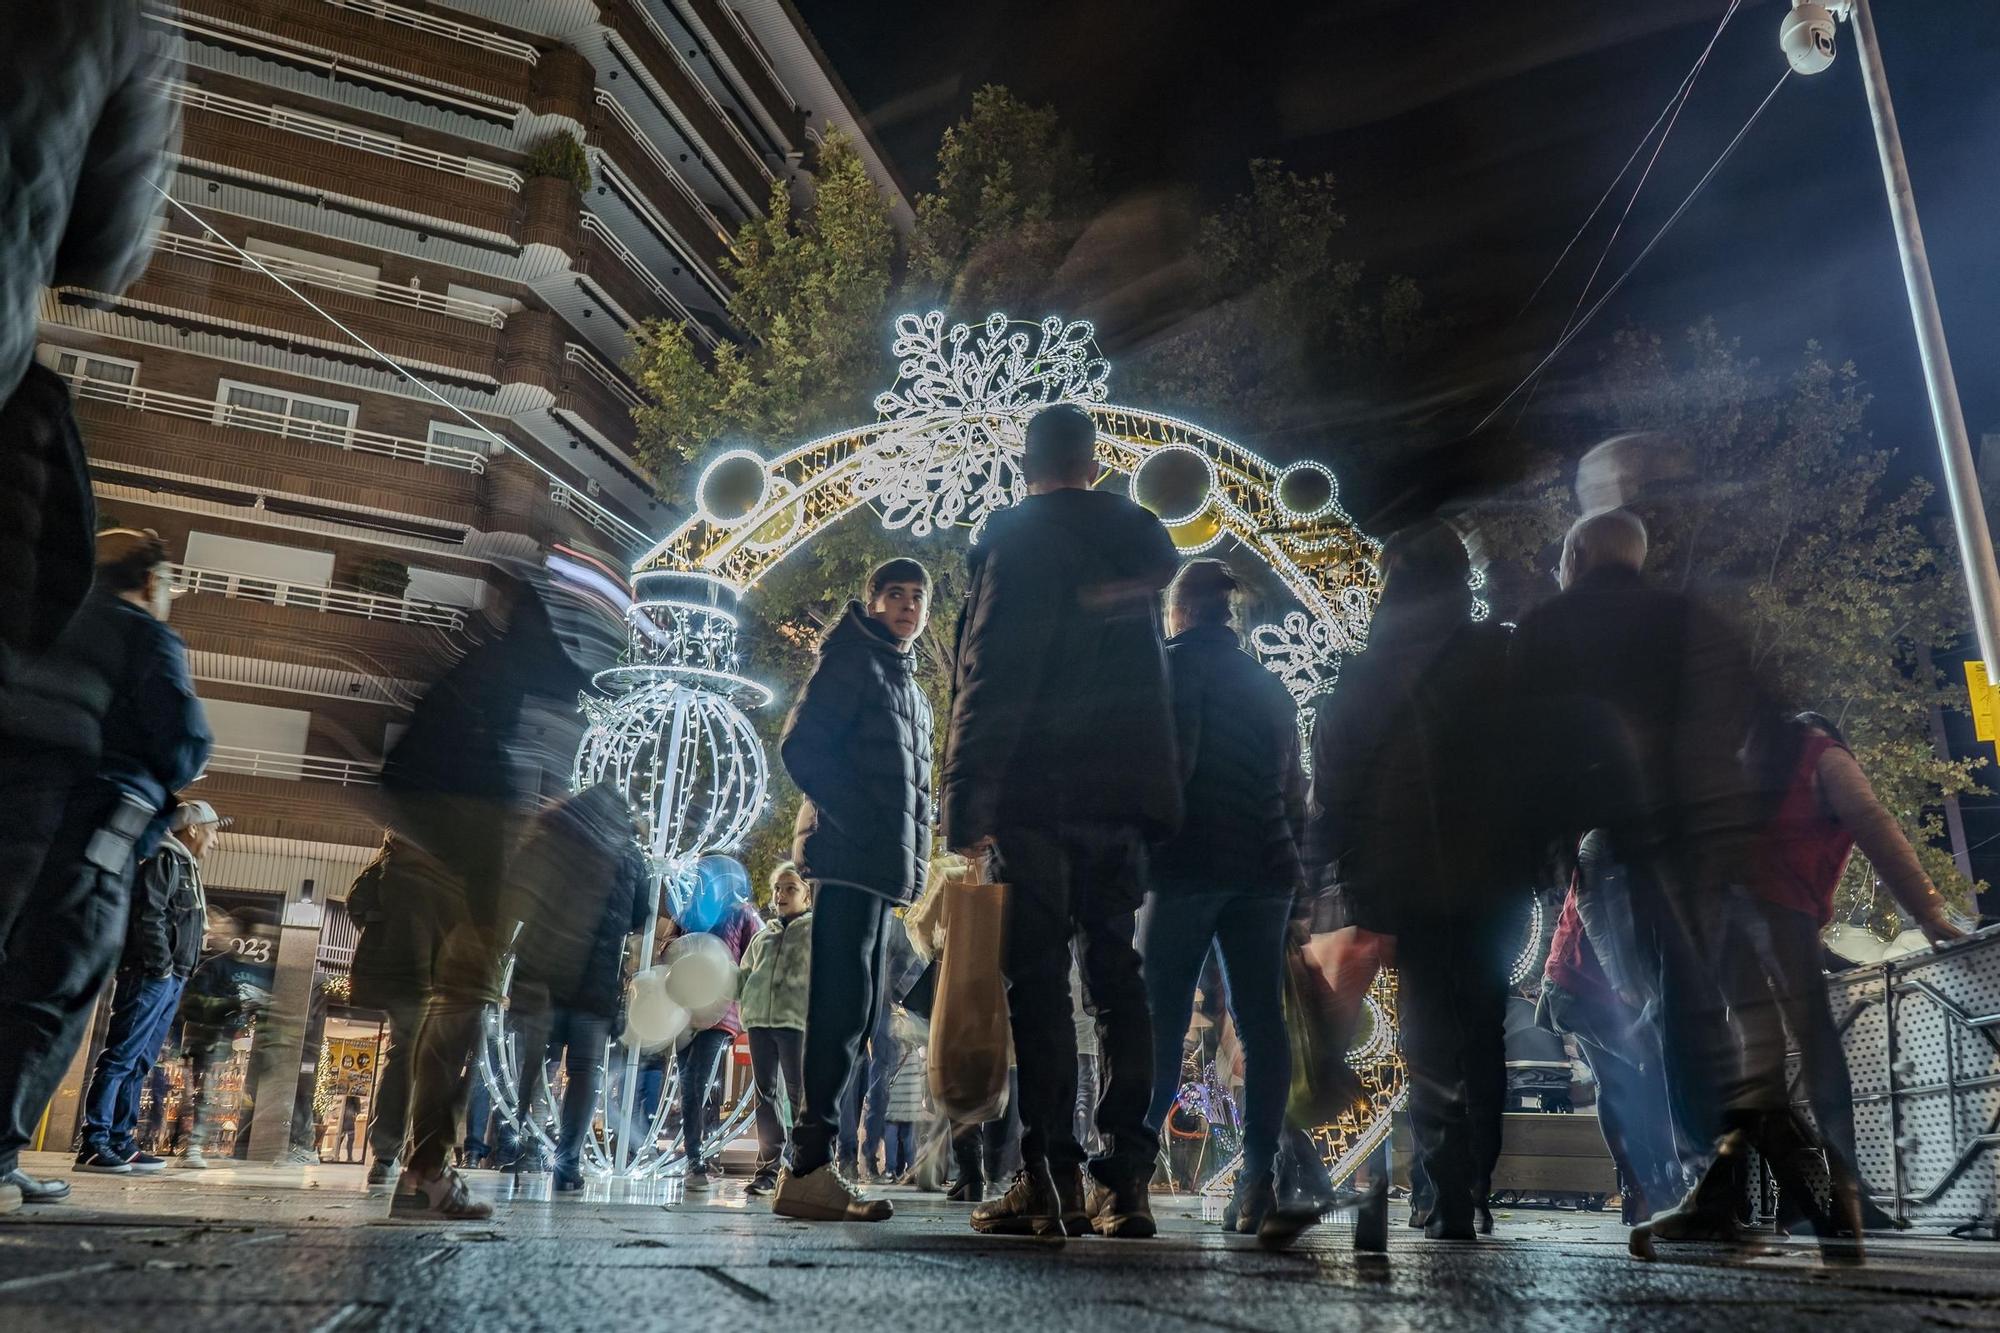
(718, 884)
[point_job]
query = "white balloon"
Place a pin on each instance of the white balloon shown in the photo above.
(700, 972)
(650, 1016)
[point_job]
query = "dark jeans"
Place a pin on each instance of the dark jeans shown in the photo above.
(699, 1061)
(1248, 929)
(444, 1065)
(844, 1004)
(389, 1118)
(1623, 1052)
(899, 1149)
(577, 1039)
(66, 932)
(1080, 883)
(865, 1109)
(142, 1009)
(1453, 1003)
(777, 1065)
(1784, 950)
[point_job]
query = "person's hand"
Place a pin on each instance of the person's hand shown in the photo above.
(1940, 929)
(974, 851)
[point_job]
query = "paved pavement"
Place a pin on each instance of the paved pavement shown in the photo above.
(274, 1250)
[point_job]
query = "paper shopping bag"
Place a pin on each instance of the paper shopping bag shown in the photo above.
(971, 1045)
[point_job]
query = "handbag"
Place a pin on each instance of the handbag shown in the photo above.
(971, 1043)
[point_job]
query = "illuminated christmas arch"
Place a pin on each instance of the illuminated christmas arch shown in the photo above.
(944, 451)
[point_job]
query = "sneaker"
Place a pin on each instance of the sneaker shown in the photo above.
(1032, 1206)
(10, 1198)
(380, 1172)
(568, 1182)
(194, 1159)
(34, 1189)
(697, 1181)
(1122, 1210)
(298, 1157)
(821, 1195)
(762, 1183)
(1069, 1190)
(443, 1196)
(145, 1164)
(102, 1163)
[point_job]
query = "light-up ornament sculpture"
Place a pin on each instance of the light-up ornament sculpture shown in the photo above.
(670, 733)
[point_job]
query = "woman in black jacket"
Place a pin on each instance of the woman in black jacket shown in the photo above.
(858, 744)
(1231, 874)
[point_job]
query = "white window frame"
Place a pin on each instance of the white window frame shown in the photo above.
(461, 438)
(51, 355)
(320, 431)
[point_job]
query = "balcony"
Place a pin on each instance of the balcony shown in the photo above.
(718, 136)
(599, 396)
(293, 767)
(313, 275)
(402, 51)
(212, 284)
(734, 43)
(277, 592)
(310, 152)
(285, 806)
(302, 632)
(614, 134)
(606, 261)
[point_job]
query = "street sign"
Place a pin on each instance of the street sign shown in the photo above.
(1985, 701)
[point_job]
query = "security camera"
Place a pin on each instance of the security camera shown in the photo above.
(1807, 36)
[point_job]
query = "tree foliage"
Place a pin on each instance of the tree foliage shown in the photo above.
(1013, 194)
(811, 296)
(1770, 500)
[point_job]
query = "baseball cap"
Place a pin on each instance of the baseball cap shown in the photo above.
(189, 813)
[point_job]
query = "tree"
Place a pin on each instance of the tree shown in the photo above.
(811, 296)
(1772, 503)
(1285, 316)
(1013, 194)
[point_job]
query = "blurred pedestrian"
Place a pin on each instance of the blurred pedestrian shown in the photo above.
(905, 1109)
(114, 687)
(350, 1113)
(83, 150)
(1407, 803)
(727, 915)
(1231, 877)
(394, 966)
(163, 938)
(858, 744)
(452, 791)
(582, 893)
(1061, 768)
(772, 982)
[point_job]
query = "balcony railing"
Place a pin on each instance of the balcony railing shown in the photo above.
(582, 356)
(334, 132)
(315, 275)
(276, 423)
(593, 226)
(652, 150)
(278, 592)
(576, 502)
(672, 48)
(292, 767)
(442, 27)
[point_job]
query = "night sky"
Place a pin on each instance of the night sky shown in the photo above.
(1470, 141)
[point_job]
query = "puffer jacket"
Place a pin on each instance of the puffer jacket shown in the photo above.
(579, 888)
(115, 684)
(1060, 706)
(169, 914)
(771, 981)
(858, 744)
(1238, 734)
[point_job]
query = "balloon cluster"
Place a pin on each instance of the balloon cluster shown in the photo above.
(694, 988)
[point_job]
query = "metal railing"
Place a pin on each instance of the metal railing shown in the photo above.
(276, 423)
(279, 592)
(594, 226)
(576, 502)
(659, 159)
(315, 275)
(673, 50)
(292, 767)
(582, 356)
(334, 132)
(441, 27)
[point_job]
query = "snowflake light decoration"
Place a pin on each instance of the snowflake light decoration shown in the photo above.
(959, 408)
(1302, 651)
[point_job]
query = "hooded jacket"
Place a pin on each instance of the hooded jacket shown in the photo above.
(1060, 706)
(579, 888)
(169, 914)
(771, 980)
(858, 744)
(1238, 736)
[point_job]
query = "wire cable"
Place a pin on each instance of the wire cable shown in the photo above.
(1672, 108)
(487, 431)
(1631, 268)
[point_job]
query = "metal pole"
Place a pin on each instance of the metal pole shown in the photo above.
(1961, 480)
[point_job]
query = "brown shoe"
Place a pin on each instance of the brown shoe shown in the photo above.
(1122, 1210)
(1030, 1207)
(821, 1195)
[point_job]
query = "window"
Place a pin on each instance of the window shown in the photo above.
(107, 370)
(285, 412)
(506, 305)
(256, 739)
(296, 565)
(459, 437)
(273, 250)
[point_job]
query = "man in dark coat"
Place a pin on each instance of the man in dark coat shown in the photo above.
(83, 141)
(116, 686)
(1407, 812)
(162, 947)
(1062, 765)
(858, 744)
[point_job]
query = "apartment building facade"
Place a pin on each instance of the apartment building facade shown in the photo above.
(491, 195)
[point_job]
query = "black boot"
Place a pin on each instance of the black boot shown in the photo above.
(970, 1187)
(1030, 1207)
(1253, 1197)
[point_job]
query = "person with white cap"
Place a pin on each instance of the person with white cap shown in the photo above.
(162, 947)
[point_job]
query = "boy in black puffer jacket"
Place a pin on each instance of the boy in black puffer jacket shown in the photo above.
(858, 744)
